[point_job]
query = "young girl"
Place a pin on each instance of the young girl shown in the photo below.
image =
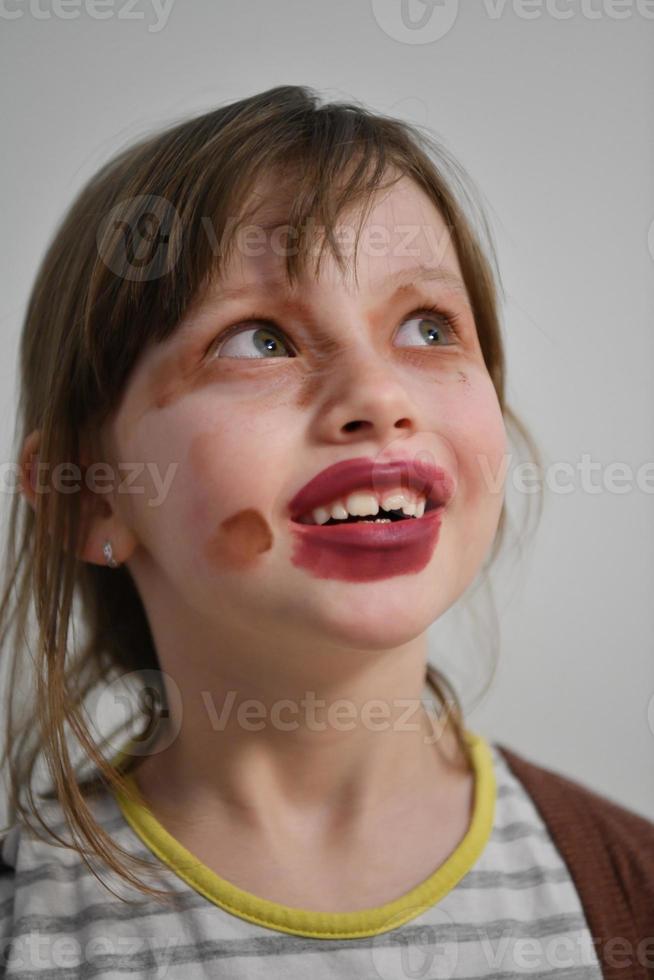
(258, 551)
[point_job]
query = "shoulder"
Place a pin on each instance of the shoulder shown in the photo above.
(557, 792)
(608, 848)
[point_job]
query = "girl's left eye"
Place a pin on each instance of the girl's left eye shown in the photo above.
(268, 338)
(431, 322)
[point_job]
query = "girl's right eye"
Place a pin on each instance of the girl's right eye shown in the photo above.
(239, 341)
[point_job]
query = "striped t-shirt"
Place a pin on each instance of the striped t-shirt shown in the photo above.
(502, 904)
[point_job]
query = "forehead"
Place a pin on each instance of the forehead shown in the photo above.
(402, 228)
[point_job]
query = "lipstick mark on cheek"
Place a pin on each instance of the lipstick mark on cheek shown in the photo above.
(240, 539)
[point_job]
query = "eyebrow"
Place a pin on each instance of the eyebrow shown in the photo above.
(273, 287)
(400, 279)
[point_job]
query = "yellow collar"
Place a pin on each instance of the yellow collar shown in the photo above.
(326, 925)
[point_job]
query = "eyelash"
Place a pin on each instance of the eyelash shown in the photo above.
(451, 320)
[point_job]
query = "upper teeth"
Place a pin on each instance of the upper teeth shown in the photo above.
(364, 504)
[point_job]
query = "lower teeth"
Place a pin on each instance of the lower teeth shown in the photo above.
(378, 520)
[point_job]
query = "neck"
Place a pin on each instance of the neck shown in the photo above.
(329, 756)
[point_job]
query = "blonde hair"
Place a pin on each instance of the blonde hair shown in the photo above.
(92, 311)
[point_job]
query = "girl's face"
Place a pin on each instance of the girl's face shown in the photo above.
(260, 390)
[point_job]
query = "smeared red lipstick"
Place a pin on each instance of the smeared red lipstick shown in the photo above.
(365, 552)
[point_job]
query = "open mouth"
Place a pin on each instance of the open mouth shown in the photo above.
(340, 512)
(384, 517)
(373, 492)
(379, 543)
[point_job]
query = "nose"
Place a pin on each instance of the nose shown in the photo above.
(364, 395)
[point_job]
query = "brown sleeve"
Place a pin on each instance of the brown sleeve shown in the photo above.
(609, 851)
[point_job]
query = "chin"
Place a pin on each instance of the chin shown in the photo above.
(380, 616)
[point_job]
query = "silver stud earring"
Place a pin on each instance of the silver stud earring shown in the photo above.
(108, 554)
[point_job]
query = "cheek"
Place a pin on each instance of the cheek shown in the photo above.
(471, 420)
(479, 435)
(211, 513)
(234, 541)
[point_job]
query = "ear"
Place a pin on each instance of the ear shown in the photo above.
(99, 522)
